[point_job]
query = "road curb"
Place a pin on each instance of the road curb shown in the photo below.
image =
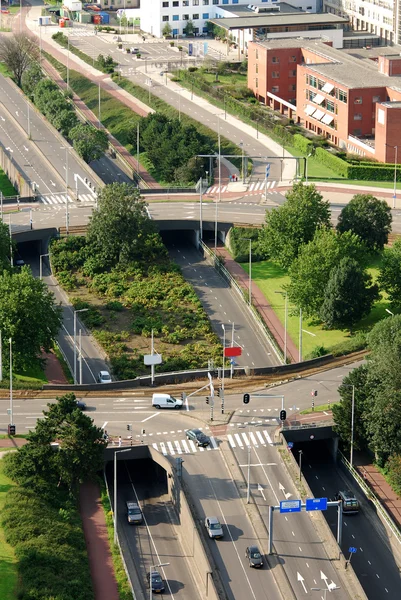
(257, 523)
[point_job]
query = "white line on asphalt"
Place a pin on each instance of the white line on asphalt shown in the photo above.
(104, 424)
(151, 417)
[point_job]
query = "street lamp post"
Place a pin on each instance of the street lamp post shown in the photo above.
(41, 257)
(67, 214)
(250, 269)
(222, 377)
(285, 294)
(115, 491)
(152, 567)
(389, 312)
(11, 382)
(300, 464)
(243, 161)
(75, 340)
(219, 193)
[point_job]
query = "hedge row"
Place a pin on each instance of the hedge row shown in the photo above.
(372, 172)
(339, 166)
(302, 143)
(45, 531)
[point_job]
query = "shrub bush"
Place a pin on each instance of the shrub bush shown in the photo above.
(302, 143)
(354, 344)
(332, 161)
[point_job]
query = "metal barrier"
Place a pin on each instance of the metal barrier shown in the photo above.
(220, 268)
(372, 496)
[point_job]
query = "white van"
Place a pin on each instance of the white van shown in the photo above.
(165, 401)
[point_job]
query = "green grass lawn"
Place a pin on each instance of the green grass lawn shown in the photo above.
(240, 79)
(8, 562)
(35, 374)
(6, 186)
(271, 278)
(14, 9)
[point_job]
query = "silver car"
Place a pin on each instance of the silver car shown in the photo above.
(214, 527)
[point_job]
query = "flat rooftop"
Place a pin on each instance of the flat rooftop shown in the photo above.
(242, 10)
(279, 19)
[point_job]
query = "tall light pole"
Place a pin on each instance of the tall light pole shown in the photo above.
(80, 310)
(395, 172)
(11, 382)
(115, 492)
(250, 269)
(68, 62)
(351, 452)
(243, 161)
(29, 120)
(285, 294)
(219, 193)
(152, 567)
(41, 257)
(67, 214)
(300, 335)
(224, 348)
(100, 123)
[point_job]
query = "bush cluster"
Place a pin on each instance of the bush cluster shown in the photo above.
(55, 106)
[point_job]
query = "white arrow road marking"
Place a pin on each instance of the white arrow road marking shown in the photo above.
(26, 149)
(52, 182)
(2, 118)
(16, 112)
(260, 489)
(282, 488)
(301, 579)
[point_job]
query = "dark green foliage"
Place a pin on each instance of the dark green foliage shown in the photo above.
(240, 246)
(369, 218)
(5, 245)
(30, 79)
(348, 296)
(55, 106)
(354, 344)
(394, 473)
(89, 142)
(303, 144)
(175, 153)
(390, 273)
(105, 64)
(311, 270)
(294, 223)
(338, 165)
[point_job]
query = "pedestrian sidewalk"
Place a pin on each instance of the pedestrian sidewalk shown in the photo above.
(260, 303)
(53, 370)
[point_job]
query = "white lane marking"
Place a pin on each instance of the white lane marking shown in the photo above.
(151, 417)
(231, 441)
(238, 440)
(267, 436)
(192, 445)
(170, 447)
(104, 424)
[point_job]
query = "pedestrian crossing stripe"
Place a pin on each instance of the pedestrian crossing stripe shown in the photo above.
(62, 199)
(236, 440)
(261, 185)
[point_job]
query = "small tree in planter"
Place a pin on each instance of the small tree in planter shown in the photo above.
(172, 44)
(167, 31)
(189, 29)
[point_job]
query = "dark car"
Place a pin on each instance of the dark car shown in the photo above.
(197, 436)
(254, 556)
(81, 405)
(349, 503)
(157, 582)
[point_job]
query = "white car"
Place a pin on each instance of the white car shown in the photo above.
(213, 527)
(134, 50)
(104, 377)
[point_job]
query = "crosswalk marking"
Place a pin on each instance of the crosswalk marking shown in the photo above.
(256, 186)
(238, 439)
(177, 445)
(184, 443)
(254, 440)
(214, 443)
(192, 445)
(231, 440)
(246, 439)
(163, 448)
(52, 199)
(260, 436)
(170, 447)
(268, 438)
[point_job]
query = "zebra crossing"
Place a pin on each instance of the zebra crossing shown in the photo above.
(56, 199)
(254, 188)
(239, 440)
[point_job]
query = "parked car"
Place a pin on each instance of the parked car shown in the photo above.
(349, 503)
(134, 50)
(213, 527)
(81, 404)
(157, 582)
(254, 556)
(197, 436)
(104, 377)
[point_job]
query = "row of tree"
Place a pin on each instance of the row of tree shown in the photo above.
(327, 266)
(173, 148)
(377, 412)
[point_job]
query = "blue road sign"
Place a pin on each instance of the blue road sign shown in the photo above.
(267, 170)
(352, 550)
(290, 445)
(287, 506)
(190, 49)
(316, 504)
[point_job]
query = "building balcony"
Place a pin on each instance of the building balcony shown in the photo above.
(365, 143)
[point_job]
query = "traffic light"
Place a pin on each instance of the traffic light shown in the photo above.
(207, 399)
(314, 392)
(129, 427)
(246, 398)
(183, 396)
(219, 392)
(283, 415)
(11, 430)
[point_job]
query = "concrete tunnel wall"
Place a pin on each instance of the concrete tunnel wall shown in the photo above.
(185, 523)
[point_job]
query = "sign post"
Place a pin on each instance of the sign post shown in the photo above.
(152, 360)
(267, 176)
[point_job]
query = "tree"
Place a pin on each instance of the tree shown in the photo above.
(348, 296)
(64, 121)
(17, 53)
(5, 247)
(384, 341)
(90, 143)
(120, 230)
(383, 422)
(189, 28)
(368, 217)
(390, 273)
(30, 78)
(310, 271)
(80, 453)
(295, 223)
(167, 31)
(342, 412)
(28, 315)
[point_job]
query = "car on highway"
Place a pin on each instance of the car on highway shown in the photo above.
(197, 436)
(134, 513)
(104, 377)
(254, 556)
(214, 527)
(81, 404)
(349, 503)
(157, 582)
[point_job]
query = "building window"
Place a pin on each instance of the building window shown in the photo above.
(195, 16)
(256, 54)
(312, 81)
(358, 117)
(256, 68)
(342, 96)
(176, 31)
(357, 132)
(276, 74)
(235, 1)
(292, 87)
(256, 82)
(225, 1)
(320, 84)
(215, 1)
(176, 17)
(175, 4)
(165, 18)
(292, 74)
(306, 78)
(293, 59)
(205, 16)
(330, 106)
(185, 17)
(205, 2)
(275, 89)
(358, 100)
(275, 59)
(165, 4)
(195, 2)
(376, 98)
(185, 2)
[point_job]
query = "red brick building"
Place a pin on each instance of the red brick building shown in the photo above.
(354, 101)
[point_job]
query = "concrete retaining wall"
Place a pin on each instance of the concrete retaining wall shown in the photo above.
(15, 173)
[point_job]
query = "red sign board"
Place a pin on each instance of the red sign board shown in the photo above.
(234, 351)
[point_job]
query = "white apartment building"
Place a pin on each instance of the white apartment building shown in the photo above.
(378, 17)
(156, 13)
